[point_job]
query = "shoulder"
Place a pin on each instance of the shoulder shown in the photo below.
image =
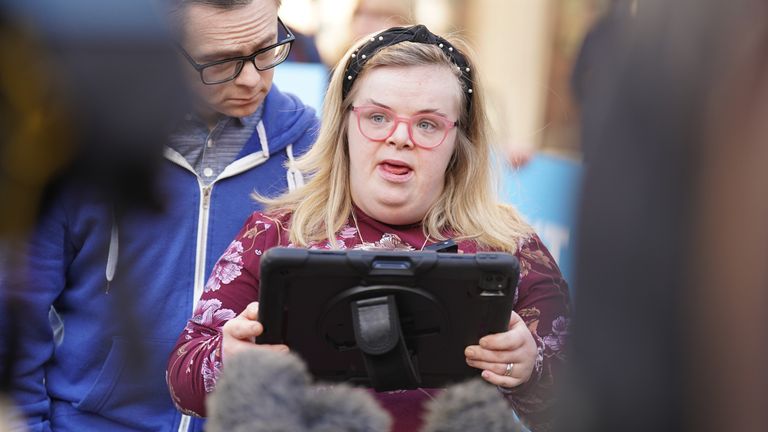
(263, 230)
(288, 107)
(538, 268)
(532, 250)
(261, 223)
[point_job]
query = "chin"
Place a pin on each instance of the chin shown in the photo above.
(241, 111)
(396, 215)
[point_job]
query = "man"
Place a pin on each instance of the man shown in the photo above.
(114, 281)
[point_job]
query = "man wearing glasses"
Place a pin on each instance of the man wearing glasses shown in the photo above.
(240, 136)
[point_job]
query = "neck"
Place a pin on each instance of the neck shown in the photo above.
(393, 236)
(209, 116)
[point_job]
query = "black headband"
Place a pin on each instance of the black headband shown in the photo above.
(395, 35)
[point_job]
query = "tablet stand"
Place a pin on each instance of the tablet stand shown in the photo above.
(379, 336)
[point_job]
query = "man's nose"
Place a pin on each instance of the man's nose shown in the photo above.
(249, 75)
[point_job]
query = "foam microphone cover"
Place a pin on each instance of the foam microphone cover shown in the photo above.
(471, 406)
(344, 408)
(261, 390)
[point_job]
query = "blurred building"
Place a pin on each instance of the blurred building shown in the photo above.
(527, 49)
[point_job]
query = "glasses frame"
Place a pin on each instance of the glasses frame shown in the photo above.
(242, 59)
(402, 119)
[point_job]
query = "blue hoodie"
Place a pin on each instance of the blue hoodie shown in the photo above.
(114, 285)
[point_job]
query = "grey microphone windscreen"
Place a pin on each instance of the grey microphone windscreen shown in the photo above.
(471, 406)
(344, 408)
(260, 390)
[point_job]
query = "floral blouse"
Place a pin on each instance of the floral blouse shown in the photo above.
(542, 301)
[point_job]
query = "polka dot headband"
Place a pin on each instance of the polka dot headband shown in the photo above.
(395, 35)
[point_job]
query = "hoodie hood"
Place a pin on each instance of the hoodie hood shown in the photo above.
(286, 120)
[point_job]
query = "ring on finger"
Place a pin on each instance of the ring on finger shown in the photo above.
(508, 371)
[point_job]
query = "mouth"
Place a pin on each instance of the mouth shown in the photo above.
(244, 101)
(395, 170)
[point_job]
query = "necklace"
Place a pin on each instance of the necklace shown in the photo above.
(388, 241)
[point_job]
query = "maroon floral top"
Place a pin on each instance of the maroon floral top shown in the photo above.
(543, 303)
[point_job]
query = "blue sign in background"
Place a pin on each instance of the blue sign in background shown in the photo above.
(308, 81)
(545, 190)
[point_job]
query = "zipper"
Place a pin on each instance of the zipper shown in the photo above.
(202, 240)
(206, 197)
(237, 167)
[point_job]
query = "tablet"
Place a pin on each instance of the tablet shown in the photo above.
(382, 319)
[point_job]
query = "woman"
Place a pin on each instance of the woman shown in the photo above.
(402, 161)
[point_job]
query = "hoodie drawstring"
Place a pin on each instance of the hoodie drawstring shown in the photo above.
(112, 255)
(294, 176)
(263, 139)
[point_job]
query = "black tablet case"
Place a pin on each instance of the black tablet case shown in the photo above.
(415, 312)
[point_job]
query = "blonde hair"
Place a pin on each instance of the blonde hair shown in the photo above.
(467, 208)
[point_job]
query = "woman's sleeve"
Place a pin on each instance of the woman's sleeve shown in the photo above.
(195, 361)
(544, 304)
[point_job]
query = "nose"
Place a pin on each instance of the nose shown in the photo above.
(249, 75)
(400, 136)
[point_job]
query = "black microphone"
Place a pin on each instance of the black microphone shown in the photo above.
(471, 406)
(261, 390)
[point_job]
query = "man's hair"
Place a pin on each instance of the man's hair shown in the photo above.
(216, 3)
(175, 9)
(223, 4)
(468, 206)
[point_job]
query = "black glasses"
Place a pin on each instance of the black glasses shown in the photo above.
(221, 71)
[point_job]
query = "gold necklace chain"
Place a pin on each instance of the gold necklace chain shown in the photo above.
(360, 234)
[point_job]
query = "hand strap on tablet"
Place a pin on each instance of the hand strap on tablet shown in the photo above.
(379, 336)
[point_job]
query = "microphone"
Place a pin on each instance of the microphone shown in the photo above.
(261, 390)
(469, 406)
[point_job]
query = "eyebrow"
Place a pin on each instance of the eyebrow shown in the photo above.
(223, 54)
(424, 111)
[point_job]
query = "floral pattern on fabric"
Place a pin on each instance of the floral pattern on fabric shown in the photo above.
(555, 342)
(348, 232)
(388, 241)
(211, 371)
(227, 268)
(534, 258)
(210, 314)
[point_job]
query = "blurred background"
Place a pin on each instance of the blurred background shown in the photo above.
(527, 50)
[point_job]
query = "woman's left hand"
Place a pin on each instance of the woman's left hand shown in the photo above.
(496, 352)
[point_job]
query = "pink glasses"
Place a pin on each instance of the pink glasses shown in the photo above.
(425, 130)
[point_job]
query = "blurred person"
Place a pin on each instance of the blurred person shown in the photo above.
(369, 16)
(54, 129)
(592, 66)
(402, 161)
(670, 329)
(112, 276)
(304, 49)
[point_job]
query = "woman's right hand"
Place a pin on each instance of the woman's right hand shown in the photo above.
(240, 333)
